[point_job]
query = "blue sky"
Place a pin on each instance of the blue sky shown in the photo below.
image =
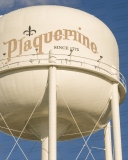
(115, 15)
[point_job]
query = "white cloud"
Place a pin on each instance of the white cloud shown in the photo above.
(8, 4)
(32, 2)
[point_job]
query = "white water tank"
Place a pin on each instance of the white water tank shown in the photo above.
(87, 61)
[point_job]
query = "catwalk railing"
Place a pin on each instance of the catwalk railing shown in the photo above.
(63, 59)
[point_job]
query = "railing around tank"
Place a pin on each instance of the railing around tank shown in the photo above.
(64, 59)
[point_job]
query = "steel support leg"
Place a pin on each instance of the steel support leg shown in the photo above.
(116, 123)
(107, 142)
(52, 111)
(44, 149)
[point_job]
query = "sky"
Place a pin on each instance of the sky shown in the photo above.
(115, 15)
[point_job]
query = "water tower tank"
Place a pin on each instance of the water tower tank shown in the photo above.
(85, 53)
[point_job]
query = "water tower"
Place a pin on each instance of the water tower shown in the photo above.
(59, 75)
